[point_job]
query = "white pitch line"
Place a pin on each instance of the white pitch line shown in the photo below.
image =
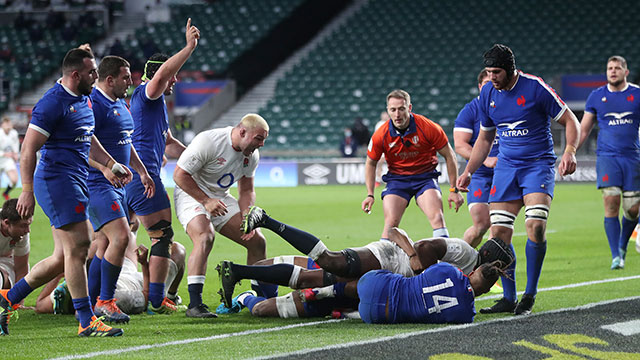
(189, 341)
(259, 331)
(301, 353)
(626, 328)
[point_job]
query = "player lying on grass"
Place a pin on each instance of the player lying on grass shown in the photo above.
(132, 288)
(440, 294)
(406, 258)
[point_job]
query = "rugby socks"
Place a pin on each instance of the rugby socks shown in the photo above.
(94, 279)
(274, 274)
(338, 289)
(612, 229)
(108, 277)
(535, 257)
(301, 240)
(19, 291)
(195, 286)
(509, 281)
(8, 189)
(250, 301)
(264, 289)
(627, 229)
(441, 232)
(83, 308)
(156, 294)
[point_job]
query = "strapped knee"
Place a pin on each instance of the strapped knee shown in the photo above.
(536, 212)
(611, 191)
(502, 218)
(286, 306)
(629, 200)
(353, 263)
(161, 235)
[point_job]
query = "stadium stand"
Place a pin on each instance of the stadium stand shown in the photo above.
(433, 50)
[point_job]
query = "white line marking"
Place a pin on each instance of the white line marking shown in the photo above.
(189, 341)
(569, 286)
(259, 331)
(626, 328)
(440, 329)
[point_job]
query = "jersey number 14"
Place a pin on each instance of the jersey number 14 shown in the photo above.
(440, 302)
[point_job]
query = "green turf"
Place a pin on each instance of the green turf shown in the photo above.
(577, 252)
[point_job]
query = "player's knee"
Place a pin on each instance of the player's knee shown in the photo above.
(161, 234)
(630, 202)
(178, 254)
(286, 306)
(260, 309)
(502, 218)
(611, 191)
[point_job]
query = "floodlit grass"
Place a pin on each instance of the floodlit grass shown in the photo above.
(577, 252)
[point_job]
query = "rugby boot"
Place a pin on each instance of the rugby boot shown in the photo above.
(525, 305)
(253, 219)
(110, 311)
(502, 305)
(98, 329)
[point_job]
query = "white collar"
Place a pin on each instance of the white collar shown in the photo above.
(105, 94)
(625, 88)
(66, 88)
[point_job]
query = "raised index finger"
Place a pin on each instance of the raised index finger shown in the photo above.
(188, 24)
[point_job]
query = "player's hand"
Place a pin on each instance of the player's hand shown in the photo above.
(367, 204)
(192, 34)
(142, 254)
(568, 164)
(86, 46)
(26, 204)
(215, 207)
(416, 264)
(490, 162)
(123, 173)
(455, 199)
(247, 237)
(463, 181)
(149, 185)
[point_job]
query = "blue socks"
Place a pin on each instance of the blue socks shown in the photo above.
(94, 279)
(195, 294)
(612, 229)
(156, 294)
(250, 301)
(509, 284)
(264, 289)
(301, 240)
(19, 291)
(109, 277)
(83, 307)
(535, 257)
(627, 229)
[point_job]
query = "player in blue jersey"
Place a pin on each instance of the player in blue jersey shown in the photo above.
(519, 107)
(616, 108)
(441, 294)
(62, 127)
(152, 138)
(107, 204)
(465, 133)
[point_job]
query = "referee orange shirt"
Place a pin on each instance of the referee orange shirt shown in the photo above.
(411, 153)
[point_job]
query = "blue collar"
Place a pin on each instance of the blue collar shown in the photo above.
(410, 130)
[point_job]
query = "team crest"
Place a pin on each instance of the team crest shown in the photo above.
(115, 112)
(245, 163)
(72, 109)
(492, 104)
(221, 161)
(415, 139)
(604, 99)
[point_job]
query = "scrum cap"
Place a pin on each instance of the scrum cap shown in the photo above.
(500, 56)
(495, 249)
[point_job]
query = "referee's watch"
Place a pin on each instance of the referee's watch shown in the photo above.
(454, 189)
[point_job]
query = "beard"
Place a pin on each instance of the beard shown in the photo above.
(85, 88)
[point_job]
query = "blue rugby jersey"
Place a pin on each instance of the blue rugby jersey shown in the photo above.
(440, 294)
(468, 121)
(521, 117)
(150, 128)
(114, 126)
(68, 122)
(618, 116)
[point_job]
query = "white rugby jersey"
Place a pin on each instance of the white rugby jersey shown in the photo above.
(213, 163)
(8, 245)
(9, 142)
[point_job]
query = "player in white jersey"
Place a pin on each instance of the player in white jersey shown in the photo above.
(14, 245)
(210, 165)
(9, 150)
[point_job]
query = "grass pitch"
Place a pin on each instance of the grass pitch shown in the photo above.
(577, 252)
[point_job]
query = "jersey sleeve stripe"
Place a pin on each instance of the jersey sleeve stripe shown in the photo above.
(487, 128)
(548, 88)
(560, 114)
(40, 130)
(462, 129)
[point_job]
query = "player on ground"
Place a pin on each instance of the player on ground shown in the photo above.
(616, 108)
(214, 161)
(400, 255)
(519, 107)
(465, 133)
(9, 151)
(62, 125)
(440, 294)
(152, 138)
(409, 143)
(107, 204)
(14, 245)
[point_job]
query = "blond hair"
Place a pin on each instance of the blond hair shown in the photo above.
(253, 121)
(400, 94)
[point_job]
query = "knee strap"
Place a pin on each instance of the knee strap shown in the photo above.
(536, 212)
(629, 199)
(502, 218)
(286, 306)
(161, 235)
(353, 269)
